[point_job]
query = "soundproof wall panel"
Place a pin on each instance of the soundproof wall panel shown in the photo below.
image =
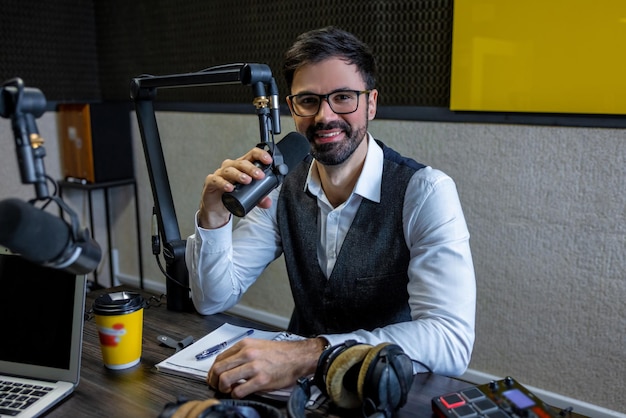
(411, 40)
(85, 51)
(51, 45)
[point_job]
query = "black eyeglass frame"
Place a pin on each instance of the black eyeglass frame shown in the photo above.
(326, 97)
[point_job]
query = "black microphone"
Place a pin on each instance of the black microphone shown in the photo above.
(45, 239)
(293, 148)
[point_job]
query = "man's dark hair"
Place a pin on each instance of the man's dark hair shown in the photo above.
(330, 42)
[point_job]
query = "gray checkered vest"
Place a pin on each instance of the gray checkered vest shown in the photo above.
(368, 286)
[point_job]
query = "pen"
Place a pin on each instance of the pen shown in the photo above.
(219, 347)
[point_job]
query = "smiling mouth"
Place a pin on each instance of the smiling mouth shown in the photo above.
(327, 133)
(327, 136)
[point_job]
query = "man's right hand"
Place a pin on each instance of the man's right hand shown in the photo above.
(213, 214)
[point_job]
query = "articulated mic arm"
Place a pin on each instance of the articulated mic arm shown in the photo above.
(143, 92)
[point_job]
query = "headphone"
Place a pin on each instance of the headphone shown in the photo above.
(214, 408)
(375, 378)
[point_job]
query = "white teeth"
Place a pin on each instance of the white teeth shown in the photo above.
(329, 135)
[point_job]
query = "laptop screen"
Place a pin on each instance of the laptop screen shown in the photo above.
(41, 318)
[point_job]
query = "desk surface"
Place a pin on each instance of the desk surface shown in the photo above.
(142, 391)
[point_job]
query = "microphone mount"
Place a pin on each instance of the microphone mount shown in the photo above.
(23, 105)
(143, 90)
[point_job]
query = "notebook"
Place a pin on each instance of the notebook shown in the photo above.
(185, 364)
(42, 317)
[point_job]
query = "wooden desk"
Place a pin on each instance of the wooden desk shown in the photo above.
(143, 391)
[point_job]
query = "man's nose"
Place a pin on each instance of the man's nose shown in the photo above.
(325, 110)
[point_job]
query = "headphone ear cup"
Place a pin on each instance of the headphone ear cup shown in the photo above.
(385, 378)
(298, 399)
(367, 370)
(191, 409)
(247, 409)
(324, 362)
(342, 376)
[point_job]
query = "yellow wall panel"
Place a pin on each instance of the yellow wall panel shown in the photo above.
(556, 56)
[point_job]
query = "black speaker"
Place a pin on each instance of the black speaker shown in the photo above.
(96, 141)
(375, 379)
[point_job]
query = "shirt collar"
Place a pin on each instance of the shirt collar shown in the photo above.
(369, 183)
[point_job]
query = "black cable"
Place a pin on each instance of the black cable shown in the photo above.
(155, 299)
(167, 276)
(156, 249)
(423, 365)
(55, 191)
(54, 185)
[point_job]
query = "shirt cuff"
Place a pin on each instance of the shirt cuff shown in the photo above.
(211, 237)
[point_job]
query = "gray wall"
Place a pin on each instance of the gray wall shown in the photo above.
(545, 207)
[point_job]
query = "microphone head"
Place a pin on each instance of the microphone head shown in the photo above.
(294, 147)
(36, 235)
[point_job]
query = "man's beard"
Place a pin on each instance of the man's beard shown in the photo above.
(335, 153)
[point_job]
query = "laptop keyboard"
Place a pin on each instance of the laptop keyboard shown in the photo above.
(15, 397)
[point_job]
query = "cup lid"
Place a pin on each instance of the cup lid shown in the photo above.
(116, 303)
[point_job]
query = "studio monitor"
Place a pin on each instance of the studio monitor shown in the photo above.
(95, 141)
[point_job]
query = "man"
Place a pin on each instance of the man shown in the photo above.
(375, 244)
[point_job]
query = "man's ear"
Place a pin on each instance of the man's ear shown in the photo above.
(372, 103)
(289, 105)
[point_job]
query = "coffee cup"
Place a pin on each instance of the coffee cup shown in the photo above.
(119, 319)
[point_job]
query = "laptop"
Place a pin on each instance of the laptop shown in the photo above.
(42, 318)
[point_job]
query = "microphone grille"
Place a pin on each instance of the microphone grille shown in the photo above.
(294, 147)
(37, 235)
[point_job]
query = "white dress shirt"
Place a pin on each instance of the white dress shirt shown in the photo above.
(224, 262)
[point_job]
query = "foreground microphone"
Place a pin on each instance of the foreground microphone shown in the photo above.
(44, 239)
(291, 150)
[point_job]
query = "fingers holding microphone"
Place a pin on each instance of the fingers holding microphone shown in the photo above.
(213, 213)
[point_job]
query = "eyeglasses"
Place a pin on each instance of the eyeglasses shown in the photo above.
(341, 102)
